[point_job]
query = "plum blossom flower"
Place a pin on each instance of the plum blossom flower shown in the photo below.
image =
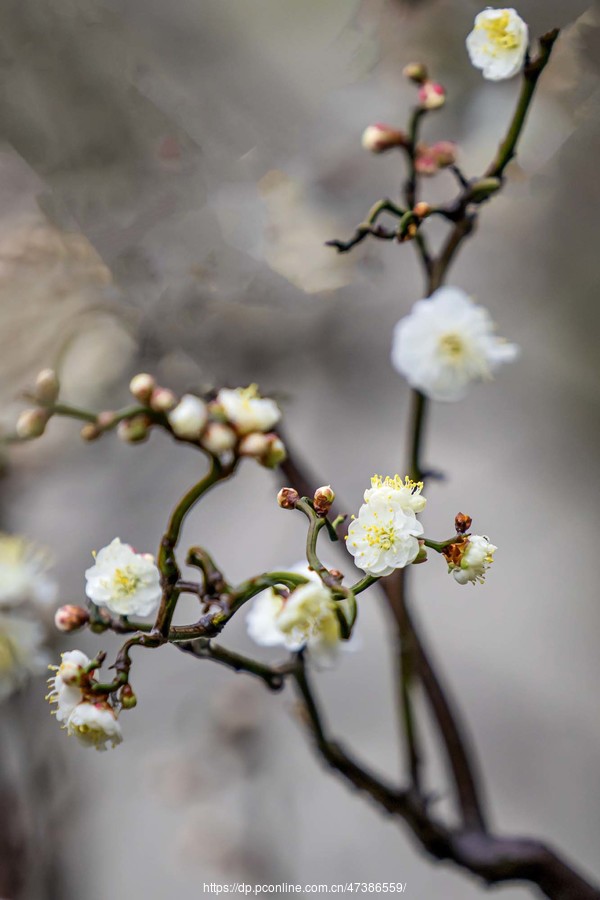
(126, 582)
(95, 725)
(475, 558)
(384, 535)
(65, 690)
(498, 43)
(306, 618)
(24, 572)
(21, 652)
(247, 410)
(445, 343)
(400, 491)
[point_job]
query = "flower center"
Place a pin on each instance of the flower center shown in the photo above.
(90, 734)
(499, 35)
(125, 582)
(382, 536)
(452, 347)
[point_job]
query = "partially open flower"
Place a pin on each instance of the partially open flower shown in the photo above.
(397, 491)
(498, 43)
(126, 582)
(469, 561)
(446, 343)
(95, 725)
(247, 410)
(65, 685)
(306, 618)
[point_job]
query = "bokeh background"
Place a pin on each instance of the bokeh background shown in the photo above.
(169, 172)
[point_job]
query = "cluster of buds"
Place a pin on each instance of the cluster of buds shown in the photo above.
(430, 158)
(32, 422)
(82, 706)
(431, 94)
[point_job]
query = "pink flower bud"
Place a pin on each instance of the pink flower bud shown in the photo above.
(431, 95)
(444, 153)
(71, 618)
(379, 137)
(218, 438)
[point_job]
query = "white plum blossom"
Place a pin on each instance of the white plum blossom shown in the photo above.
(477, 557)
(21, 652)
(402, 491)
(189, 417)
(445, 343)
(64, 685)
(95, 725)
(306, 618)
(247, 410)
(384, 535)
(126, 582)
(24, 572)
(498, 43)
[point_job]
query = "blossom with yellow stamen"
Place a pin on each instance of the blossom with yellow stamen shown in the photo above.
(384, 536)
(126, 582)
(498, 43)
(246, 410)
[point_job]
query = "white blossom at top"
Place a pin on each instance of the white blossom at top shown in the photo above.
(384, 536)
(21, 652)
(476, 559)
(307, 618)
(247, 410)
(95, 725)
(401, 491)
(64, 688)
(445, 343)
(498, 43)
(126, 582)
(24, 572)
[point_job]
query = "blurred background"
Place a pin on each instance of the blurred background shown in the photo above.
(169, 173)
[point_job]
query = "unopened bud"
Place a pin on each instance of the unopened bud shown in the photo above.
(335, 573)
(141, 387)
(287, 498)
(47, 387)
(379, 137)
(323, 499)
(32, 423)
(106, 419)
(189, 417)
(267, 449)
(484, 188)
(421, 556)
(127, 697)
(444, 153)
(163, 400)
(415, 72)
(134, 430)
(431, 95)
(218, 438)
(71, 618)
(90, 432)
(422, 210)
(462, 523)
